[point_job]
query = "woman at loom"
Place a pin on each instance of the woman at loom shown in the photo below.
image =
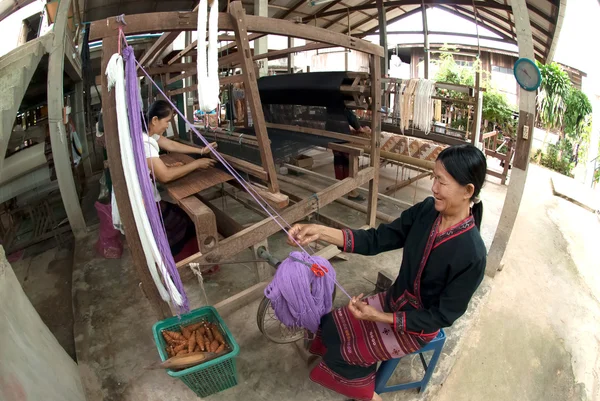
(443, 263)
(179, 227)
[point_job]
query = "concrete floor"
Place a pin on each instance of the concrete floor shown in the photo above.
(533, 337)
(113, 321)
(538, 338)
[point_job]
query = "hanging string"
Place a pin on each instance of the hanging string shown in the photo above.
(249, 189)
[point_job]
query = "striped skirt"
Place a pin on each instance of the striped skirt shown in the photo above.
(351, 349)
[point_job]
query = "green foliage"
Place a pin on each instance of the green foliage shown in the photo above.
(556, 158)
(577, 113)
(453, 73)
(497, 110)
(551, 97)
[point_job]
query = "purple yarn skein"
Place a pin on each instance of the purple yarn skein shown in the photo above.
(300, 298)
(152, 207)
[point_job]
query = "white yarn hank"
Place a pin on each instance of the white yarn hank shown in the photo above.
(208, 63)
(116, 78)
(423, 105)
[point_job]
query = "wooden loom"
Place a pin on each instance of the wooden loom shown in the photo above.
(236, 238)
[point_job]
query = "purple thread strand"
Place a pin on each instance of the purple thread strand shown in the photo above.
(152, 207)
(255, 195)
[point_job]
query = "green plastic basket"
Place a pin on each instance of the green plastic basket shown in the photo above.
(209, 377)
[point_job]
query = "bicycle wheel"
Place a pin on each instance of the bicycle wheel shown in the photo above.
(272, 328)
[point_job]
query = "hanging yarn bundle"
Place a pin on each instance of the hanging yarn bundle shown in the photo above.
(299, 297)
(423, 105)
(208, 63)
(407, 104)
(116, 78)
(134, 107)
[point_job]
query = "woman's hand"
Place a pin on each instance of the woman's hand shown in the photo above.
(175, 164)
(203, 164)
(362, 311)
(304, 234)
(206, 150)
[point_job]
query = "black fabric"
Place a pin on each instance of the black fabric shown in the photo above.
(308, 89)
(453, 271)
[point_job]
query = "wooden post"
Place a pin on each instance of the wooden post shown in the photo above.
(518, 176)
(109, 114)
(425, 42)
(381, 16)
(238, 18)
(374, 67)
(58, 137)
(79, 121)
(476, 110)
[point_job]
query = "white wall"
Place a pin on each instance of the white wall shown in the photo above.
(11, 26)
(33, 365)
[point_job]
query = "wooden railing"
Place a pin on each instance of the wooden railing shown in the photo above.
(493, 144)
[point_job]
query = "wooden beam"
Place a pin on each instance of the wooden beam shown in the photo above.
(382, 22)
(252, 169)
(391, 21)
(351, 150)
(154, 52)
(161, 308)
(225, 224)
(182, 53)
(399, 185)
(374, 68)
(344, 14)
(401, 3)
(320, 132)
(425, 41)
(238, 19)
(267, 227)
(58, 134)
(443, 33)
(177, 21)
(343, 201)
(170, 69)
(222, 81)
(380, 196)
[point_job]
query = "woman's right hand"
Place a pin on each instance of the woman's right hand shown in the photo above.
(304, 234)
(204, 163)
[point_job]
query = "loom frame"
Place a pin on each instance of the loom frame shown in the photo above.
(251, 237)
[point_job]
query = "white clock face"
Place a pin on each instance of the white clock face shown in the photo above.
(527, 75)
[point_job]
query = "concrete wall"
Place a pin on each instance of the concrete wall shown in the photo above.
(33, 365)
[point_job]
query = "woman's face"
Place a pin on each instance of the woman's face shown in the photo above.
(160, 125)
(450, 196)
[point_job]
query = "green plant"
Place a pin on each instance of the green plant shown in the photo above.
(557, 158)
(497, 110)
(553, 91)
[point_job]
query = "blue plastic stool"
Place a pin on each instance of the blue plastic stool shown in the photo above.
(386, 369)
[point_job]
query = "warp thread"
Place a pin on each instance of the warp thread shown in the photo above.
(299, 297)
(134, 102)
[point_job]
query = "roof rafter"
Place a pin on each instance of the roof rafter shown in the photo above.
(391, 21)
(399, 3)
(335, 21)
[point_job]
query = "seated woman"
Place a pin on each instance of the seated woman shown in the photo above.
(179, 227)
(443, 263)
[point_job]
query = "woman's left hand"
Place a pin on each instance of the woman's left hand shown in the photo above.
(361, 310)
(206, 150)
